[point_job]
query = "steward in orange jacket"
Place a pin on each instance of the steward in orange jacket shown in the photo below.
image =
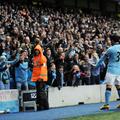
(39, 65)
(39, 75)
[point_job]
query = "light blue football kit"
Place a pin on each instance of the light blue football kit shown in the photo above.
(113, 55)
(113, 69)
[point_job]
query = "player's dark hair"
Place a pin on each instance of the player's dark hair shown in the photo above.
(115, 38)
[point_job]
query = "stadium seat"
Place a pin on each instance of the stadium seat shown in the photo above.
(29, 100)
(29, 104)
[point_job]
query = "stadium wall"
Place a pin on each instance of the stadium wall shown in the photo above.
(9, 100)
(68, 96)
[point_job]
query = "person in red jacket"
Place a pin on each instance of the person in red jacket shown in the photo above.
(39, 75)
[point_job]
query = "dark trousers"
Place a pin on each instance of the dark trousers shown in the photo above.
(95, 79)
(85, 80)
(42, 99)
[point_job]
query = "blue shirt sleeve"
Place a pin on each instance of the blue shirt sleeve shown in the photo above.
(13, 61)
(102, 59)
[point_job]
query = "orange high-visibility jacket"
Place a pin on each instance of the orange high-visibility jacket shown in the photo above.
(39, 66)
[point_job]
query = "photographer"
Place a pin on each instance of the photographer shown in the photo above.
(75, 76)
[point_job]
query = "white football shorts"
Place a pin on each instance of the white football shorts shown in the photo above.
(112, 79)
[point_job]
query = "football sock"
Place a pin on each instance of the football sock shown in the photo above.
(107, 95)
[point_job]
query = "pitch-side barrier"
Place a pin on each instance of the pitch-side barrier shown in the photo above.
(67, 96)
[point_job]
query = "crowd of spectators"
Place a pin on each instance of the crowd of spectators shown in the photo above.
(71, 40)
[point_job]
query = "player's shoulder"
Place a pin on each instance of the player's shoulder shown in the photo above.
(111, 49)
(114, 47)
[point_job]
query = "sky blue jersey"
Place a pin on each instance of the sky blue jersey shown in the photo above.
(113, 55)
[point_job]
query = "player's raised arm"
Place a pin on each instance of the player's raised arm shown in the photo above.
(102, 59)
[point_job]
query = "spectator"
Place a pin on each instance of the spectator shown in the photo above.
(75, 78)
(49, 57)
(52, 75)
(21, 72)
(39, 75)
(60, 77)
(4, 71)
(86, 70)
(95, 73)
